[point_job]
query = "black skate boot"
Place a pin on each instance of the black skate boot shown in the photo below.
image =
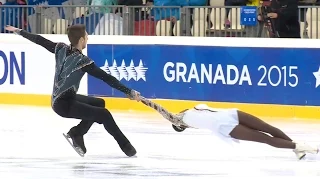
(128, 149)
(77, 142)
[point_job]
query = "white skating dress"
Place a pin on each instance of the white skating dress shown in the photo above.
(219, 121)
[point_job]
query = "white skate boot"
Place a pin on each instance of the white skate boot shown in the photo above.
(304, 148)
(300, 155)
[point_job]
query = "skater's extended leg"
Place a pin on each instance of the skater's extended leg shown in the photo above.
(243, 133)
(80, 110)
(255, 123)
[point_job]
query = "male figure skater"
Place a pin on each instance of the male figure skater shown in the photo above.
(71, 65)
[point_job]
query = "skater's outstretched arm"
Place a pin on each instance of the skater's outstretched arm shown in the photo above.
(97, 72)
(49, 45)
(174, 119)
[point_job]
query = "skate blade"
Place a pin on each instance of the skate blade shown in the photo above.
(77, 149)
(302, 157)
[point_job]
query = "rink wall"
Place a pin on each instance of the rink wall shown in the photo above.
(267, 77)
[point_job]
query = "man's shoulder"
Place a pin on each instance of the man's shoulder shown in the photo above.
(61, 45)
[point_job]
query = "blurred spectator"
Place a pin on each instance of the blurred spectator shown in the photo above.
(100, 18)
(303, 13)
(109, 22)
(286, 16)
(135, 13)
(196, 3)
(227, 23)
(138, 13)
(139, 20)
(252, 31)
(167, 13)
(15, 2)
(16, 16)
(171, 15)
(102, 3)
(149, 2)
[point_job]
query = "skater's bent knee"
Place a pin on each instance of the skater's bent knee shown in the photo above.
(100, 102)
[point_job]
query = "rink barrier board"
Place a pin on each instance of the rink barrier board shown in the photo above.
(23, 97)
(271, 101)
(124, 104)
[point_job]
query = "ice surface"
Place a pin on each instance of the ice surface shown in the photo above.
(32, 147)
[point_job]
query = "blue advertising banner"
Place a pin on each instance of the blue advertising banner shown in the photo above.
(221, 74)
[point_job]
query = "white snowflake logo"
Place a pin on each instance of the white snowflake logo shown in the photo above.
(126, 72)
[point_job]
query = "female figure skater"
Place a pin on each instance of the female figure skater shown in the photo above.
(231, 123)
